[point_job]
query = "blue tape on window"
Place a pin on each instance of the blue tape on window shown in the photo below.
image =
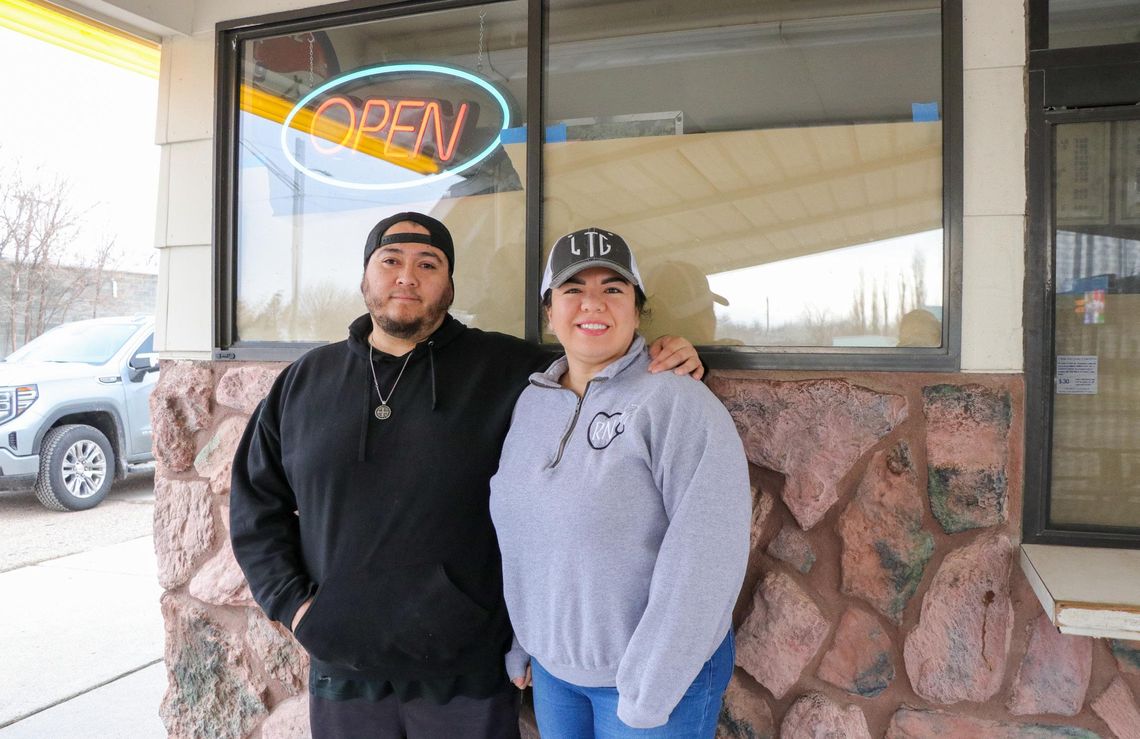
(924, 112)
(556, 134)
(516, 135)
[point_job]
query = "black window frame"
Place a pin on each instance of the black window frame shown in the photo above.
(230, 35)
(1066, 85)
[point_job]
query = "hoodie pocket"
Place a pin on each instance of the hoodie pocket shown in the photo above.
(392, 616)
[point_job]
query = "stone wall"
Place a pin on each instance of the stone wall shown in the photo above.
(883, 596)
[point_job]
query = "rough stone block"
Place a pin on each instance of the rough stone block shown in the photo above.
(1127, 654)
(282, 657)
(221, 581)
(1054, 674)
(744, 715)
(781, 635)
(967, 450)
(812, 431)
(792, 546)
(885, 548)
(242, 388)
(909, 723)
(180, 407)
(1116, 706)
(815, 716)
(289, 720)
(762, 504)
(214, 691)
(960, 646)
(860, 659)
(215, 461)
(183, 528)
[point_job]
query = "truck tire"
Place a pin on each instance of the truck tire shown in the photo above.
(77, 467)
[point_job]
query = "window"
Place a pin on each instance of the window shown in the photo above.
(778, 188)
(778, 167)
(342, 125)
(1083, 294)
(76, 342)
(146, 349)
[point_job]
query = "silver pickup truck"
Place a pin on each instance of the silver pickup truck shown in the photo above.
(75, 409)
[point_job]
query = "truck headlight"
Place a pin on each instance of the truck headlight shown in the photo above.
(14, 400)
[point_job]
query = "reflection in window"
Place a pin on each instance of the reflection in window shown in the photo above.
(777, 168)
(1095, 472)
(877, 294)
(1093, 22)
(344, 126)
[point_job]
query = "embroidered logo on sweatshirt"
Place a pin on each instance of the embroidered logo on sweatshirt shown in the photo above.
(604, 429)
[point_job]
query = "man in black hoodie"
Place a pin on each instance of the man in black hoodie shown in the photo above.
(359, 502)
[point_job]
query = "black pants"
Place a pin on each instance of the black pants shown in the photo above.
(496, 717)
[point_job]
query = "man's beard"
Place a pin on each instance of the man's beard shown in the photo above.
(414, 328)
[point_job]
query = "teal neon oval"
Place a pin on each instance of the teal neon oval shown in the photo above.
(394, 69)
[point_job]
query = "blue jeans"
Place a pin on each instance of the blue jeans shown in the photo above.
(568, 711)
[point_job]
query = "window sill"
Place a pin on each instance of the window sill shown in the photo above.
(1086, 591)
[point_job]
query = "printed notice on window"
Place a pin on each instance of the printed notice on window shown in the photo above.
(1076, 374)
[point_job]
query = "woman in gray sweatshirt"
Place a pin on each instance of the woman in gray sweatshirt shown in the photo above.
(622, 509)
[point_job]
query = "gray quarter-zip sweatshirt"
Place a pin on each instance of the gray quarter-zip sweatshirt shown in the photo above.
(623, 520)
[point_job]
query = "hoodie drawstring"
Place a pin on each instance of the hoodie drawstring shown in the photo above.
(431, 360)
(367, 412)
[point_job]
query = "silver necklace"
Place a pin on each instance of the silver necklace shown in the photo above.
(383, 411)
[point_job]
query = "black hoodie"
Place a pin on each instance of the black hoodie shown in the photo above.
(392, 537)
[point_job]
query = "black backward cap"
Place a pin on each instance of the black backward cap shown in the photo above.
(439, 236)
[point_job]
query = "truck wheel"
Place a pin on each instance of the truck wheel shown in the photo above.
(77, 467)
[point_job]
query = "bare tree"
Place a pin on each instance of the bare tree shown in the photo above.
(859, 304)
(39, 227)
(902, 289)
(884, 302)
(918, 272)
(818, 323)
(103, 259)
(263, 319)
(324, 311)
(875, 306)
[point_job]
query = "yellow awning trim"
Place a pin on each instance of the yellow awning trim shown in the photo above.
(85, 36)
(276, 109)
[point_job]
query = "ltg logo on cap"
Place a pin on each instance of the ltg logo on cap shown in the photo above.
(597, 244)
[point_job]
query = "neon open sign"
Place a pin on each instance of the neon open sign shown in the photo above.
(370, 130)
(377, 118)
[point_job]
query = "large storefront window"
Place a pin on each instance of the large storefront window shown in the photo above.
(776, 167)
(343, 126)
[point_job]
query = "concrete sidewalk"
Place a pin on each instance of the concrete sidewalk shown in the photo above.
(82, 646)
